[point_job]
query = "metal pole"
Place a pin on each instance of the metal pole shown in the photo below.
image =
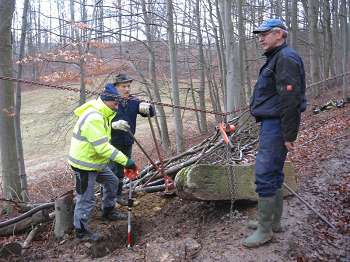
(129, 215)
(310, 207)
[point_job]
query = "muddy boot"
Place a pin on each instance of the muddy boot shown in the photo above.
(86, 235)
(110, 214)
(277, 214)
(263, 233)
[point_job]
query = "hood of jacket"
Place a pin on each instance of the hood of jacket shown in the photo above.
(97, 105)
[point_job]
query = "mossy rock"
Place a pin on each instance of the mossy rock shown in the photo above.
(210, 182)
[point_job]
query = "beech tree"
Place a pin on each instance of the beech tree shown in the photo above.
(11, 184)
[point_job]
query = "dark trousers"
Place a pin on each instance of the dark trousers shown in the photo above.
(270, 158)
(85, 198)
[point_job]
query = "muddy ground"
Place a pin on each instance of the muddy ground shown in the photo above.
(161, 223)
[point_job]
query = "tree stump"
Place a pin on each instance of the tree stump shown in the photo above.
(64, 211)
(210, 182)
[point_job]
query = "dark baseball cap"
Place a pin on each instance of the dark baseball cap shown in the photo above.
(122, 78)
(268, 24)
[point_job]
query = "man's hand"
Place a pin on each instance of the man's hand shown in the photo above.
(289, 146)
(130, 164)
(121, 125)
(145, 108)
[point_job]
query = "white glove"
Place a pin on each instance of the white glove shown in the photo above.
(121, 125)
(144, 108)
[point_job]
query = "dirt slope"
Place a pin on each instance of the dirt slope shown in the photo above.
(322, 159)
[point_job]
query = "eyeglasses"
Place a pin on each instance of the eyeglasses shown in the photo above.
(264, 34)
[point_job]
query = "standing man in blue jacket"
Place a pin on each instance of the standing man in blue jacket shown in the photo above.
(126, 119)
(277, 102)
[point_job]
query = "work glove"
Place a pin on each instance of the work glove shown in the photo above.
(130, 164)
(121, 125)
(145, 108)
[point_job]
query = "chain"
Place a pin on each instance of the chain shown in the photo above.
(231, 179)
(88, 92)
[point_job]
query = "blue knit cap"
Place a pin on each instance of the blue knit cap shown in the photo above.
(268, 24)
(110, 93)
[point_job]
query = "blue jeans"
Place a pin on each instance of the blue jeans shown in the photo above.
(270, 158)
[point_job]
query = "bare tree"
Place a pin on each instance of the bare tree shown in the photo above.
(153, 76)
(10, 171)
(344, 32)
(314, 41)
(19, 145)
(173, 71)
(204, 126)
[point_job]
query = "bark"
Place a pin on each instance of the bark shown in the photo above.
(120, 25)
(9, 159)
(343, 29)
(314, 42)
(153, 76)
(174, 83)
(233, 94)
(18, 133)
(219, 51)
(204, 126)
(241, 44)
(222, 49)
(294, 25)
(336, 36)
(328, 48)
(24, 224)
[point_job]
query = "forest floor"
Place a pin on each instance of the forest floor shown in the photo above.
(170, 229)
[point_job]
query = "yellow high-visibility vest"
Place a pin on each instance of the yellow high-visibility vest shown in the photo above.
(90, 148)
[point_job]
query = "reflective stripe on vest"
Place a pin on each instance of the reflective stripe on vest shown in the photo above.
(114, 154)
(79, 137)
(95, 143)
(86, 164)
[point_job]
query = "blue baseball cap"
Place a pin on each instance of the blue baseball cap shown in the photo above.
(268, 24)
(110, 93)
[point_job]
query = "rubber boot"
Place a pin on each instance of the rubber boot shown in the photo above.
(263, 233)
(110, 214)
(278, 210)
(277, 214)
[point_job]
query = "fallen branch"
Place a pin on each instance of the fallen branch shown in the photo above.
(27, 214)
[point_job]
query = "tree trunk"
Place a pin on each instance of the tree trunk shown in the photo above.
(222, 49)
(294, 25)
(9, 160)
(314, 41)
(343, 29)
(18, 133)
(204, 126)
(64, 209)
(232, 93)
(328, 48)
(153, 76)
(174, 84)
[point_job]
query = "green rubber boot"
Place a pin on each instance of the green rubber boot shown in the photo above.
(277, 214)
(263, 233)
(278, 210)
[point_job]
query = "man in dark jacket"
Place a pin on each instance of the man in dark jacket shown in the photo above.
(277, 102)
(126, 119)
